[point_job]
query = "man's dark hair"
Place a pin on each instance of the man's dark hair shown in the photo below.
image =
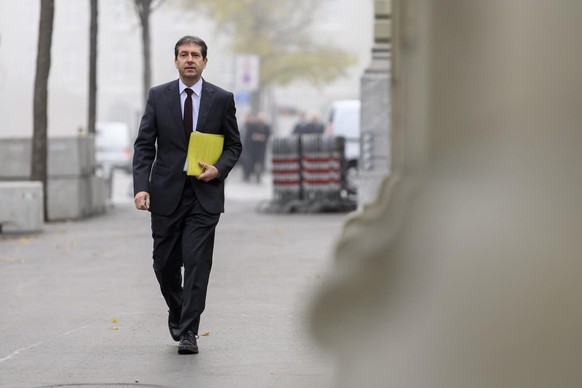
(188, 40)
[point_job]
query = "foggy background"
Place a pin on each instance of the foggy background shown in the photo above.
(343, 23)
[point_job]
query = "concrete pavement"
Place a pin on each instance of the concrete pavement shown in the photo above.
(81, 306)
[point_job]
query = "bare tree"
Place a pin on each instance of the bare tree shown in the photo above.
(144, 9)
(40, 104)
(93, 66)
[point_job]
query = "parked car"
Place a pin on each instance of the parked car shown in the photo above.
(343, 119)
(114, 147)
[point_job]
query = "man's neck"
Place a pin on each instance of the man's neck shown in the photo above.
(190, 82)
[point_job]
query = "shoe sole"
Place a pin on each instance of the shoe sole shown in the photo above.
(187, 350)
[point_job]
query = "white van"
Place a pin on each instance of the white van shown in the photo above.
(343, 119)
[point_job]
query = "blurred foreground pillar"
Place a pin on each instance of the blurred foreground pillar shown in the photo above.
(466, 271)
(374, 163)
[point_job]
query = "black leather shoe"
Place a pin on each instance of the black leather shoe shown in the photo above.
(188, 343)
(174, 324)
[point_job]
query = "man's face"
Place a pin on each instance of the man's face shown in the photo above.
(190, 63)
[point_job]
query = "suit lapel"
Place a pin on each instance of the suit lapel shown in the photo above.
(174, 105)
(206, 101)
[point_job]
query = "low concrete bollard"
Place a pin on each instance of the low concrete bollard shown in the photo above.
(21, 206)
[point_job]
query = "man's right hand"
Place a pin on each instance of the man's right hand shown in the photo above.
(142, 200)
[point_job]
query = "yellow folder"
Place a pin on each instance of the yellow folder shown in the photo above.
(203, 147)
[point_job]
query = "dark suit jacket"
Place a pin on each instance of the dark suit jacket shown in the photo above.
(161, 147)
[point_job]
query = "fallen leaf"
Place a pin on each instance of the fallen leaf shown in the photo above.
(206, 334)
(10, 260)
(115, 320)
(115, 328)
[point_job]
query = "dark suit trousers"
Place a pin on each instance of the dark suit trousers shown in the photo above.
(186, 237)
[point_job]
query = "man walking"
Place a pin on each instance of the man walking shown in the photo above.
(184, 209)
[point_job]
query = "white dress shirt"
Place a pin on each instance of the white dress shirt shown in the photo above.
(197, 88)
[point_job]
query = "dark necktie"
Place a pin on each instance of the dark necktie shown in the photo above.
(188, 124)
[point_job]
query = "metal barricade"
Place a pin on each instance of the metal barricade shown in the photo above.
(321, 168)
(309, 174)
(285, 169)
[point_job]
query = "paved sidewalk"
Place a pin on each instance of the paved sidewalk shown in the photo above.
(80, 303)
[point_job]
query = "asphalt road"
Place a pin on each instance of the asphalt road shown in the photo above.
(81, 306)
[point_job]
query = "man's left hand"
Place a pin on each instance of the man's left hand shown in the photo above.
(210, 172)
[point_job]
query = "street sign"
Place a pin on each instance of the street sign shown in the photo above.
(247, 72)
(242, 98)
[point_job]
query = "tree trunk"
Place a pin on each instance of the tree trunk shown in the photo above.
(147, 69)
(144, 10)
(93, 67)
(145, 37)
(40, 104)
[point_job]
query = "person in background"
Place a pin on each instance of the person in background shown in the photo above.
(246, 158)
(315, 125)
(301, 124)
(256, 140)
(304, 127)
